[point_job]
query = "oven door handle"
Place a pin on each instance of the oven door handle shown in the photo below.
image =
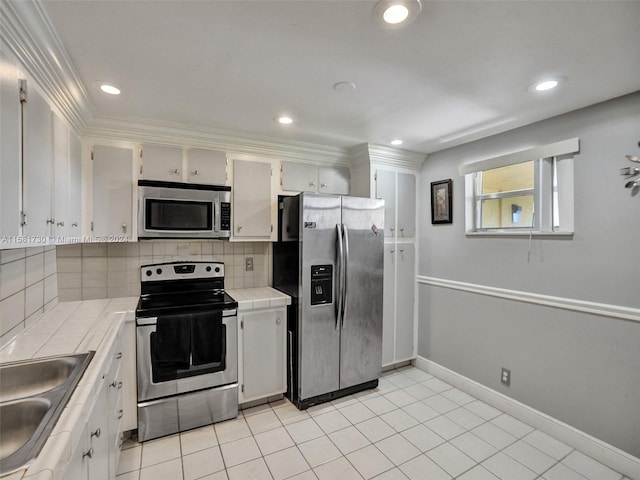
(140, 321)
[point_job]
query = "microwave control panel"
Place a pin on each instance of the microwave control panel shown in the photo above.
(225, 216)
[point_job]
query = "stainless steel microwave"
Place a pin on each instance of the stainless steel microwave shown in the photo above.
(183, 210)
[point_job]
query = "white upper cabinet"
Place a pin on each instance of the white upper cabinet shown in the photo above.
(334, 180)
(252, 202)
(112, 193)
(406, 205)
(10, 146)
(299, 177)
(304, 177)
(386, 189)
(38, 166)
(399, 193)
(206, 166)
(62, 179)
(162, 163)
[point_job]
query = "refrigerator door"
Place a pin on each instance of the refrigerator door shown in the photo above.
(318, 338)
(361, 329)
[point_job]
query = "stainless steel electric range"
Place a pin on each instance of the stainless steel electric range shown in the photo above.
(187, 348)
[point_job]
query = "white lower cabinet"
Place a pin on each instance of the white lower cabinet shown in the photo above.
(96, 455)
(262, 353)
(398, 322)
(90, 459)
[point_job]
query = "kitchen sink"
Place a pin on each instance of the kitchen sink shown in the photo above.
(33, 394)
(26, 379)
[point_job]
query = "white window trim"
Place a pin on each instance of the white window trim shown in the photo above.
(563, 152)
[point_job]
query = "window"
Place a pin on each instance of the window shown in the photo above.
(522, 193)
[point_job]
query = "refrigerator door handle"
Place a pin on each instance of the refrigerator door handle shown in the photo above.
(339, 262)
(345, 266)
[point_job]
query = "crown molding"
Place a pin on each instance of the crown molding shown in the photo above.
(395, 157)
(167, 133)
(27, 31)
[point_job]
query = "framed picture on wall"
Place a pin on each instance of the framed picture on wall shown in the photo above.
(441, 211)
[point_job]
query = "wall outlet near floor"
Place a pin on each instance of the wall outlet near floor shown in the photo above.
(248, 264)
(505, 377)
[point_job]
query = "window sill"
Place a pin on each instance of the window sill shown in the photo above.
(520, 233)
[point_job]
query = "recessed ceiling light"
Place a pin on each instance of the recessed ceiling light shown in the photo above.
(110, 89)
(396, 13)
(396, 142)
(284, 120)
(546, 84)
(344, 87)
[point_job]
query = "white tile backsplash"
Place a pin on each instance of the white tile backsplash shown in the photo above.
(28, 283)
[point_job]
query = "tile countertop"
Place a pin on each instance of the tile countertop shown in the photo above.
(262, 297)
(70, 327)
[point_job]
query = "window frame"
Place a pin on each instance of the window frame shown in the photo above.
(553, 200)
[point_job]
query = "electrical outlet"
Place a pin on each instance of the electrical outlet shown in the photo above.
(248, 264)
(505, 377)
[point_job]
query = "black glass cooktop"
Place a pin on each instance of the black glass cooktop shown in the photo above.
(183, 302)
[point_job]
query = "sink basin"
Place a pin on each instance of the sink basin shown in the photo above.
(18, 422)
(33, 394)
(34, 377)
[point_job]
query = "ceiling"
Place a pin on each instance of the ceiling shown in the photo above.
(458, 73)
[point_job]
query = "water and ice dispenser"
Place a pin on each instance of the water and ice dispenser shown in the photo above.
(321, 284)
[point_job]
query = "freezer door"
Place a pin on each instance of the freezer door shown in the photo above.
(318, 338)
(361, 330)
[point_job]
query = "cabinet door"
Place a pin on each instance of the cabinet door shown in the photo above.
(299, 177)
(406, 205)
(334, 180)
(405, 297)
(75, 185)
(207, 166)
(38, 165)
(10, 147)
(78, 468)
(386, 189)
(162, 163)
(389, 305)
(263, 346)
(112, 190)
(251, 199)
(62, 174)
(99, 438)
(128, 369)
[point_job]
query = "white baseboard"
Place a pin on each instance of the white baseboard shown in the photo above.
(603, 452)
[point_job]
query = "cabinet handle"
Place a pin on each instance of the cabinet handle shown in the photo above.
(402, 229)
(120, 414)
(278, 321)
(24, 219)
(119, 355)
(391, 228)
(124, 228)
(74, 224)
(60, 224)
(175, 171)
(195, 172)
(96, 433)
(88, 453)
(51, 220)
(323, 185)
(393, 250)
(402, 250)
(312, 184)
(115, 384)
(239, 227)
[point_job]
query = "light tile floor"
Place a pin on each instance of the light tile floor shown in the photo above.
(413, 426)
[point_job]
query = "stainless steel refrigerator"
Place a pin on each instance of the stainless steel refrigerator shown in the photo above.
(329, 258)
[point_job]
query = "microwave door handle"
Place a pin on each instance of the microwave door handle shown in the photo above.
(216, 215)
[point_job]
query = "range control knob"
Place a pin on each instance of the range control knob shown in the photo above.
(159, 271)
(208, 269)
(217, 269)
(149, 273)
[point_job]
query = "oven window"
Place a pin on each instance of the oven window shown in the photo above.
(162, 214)
(188, 345)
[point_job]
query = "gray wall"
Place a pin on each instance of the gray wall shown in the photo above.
(580, 368)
